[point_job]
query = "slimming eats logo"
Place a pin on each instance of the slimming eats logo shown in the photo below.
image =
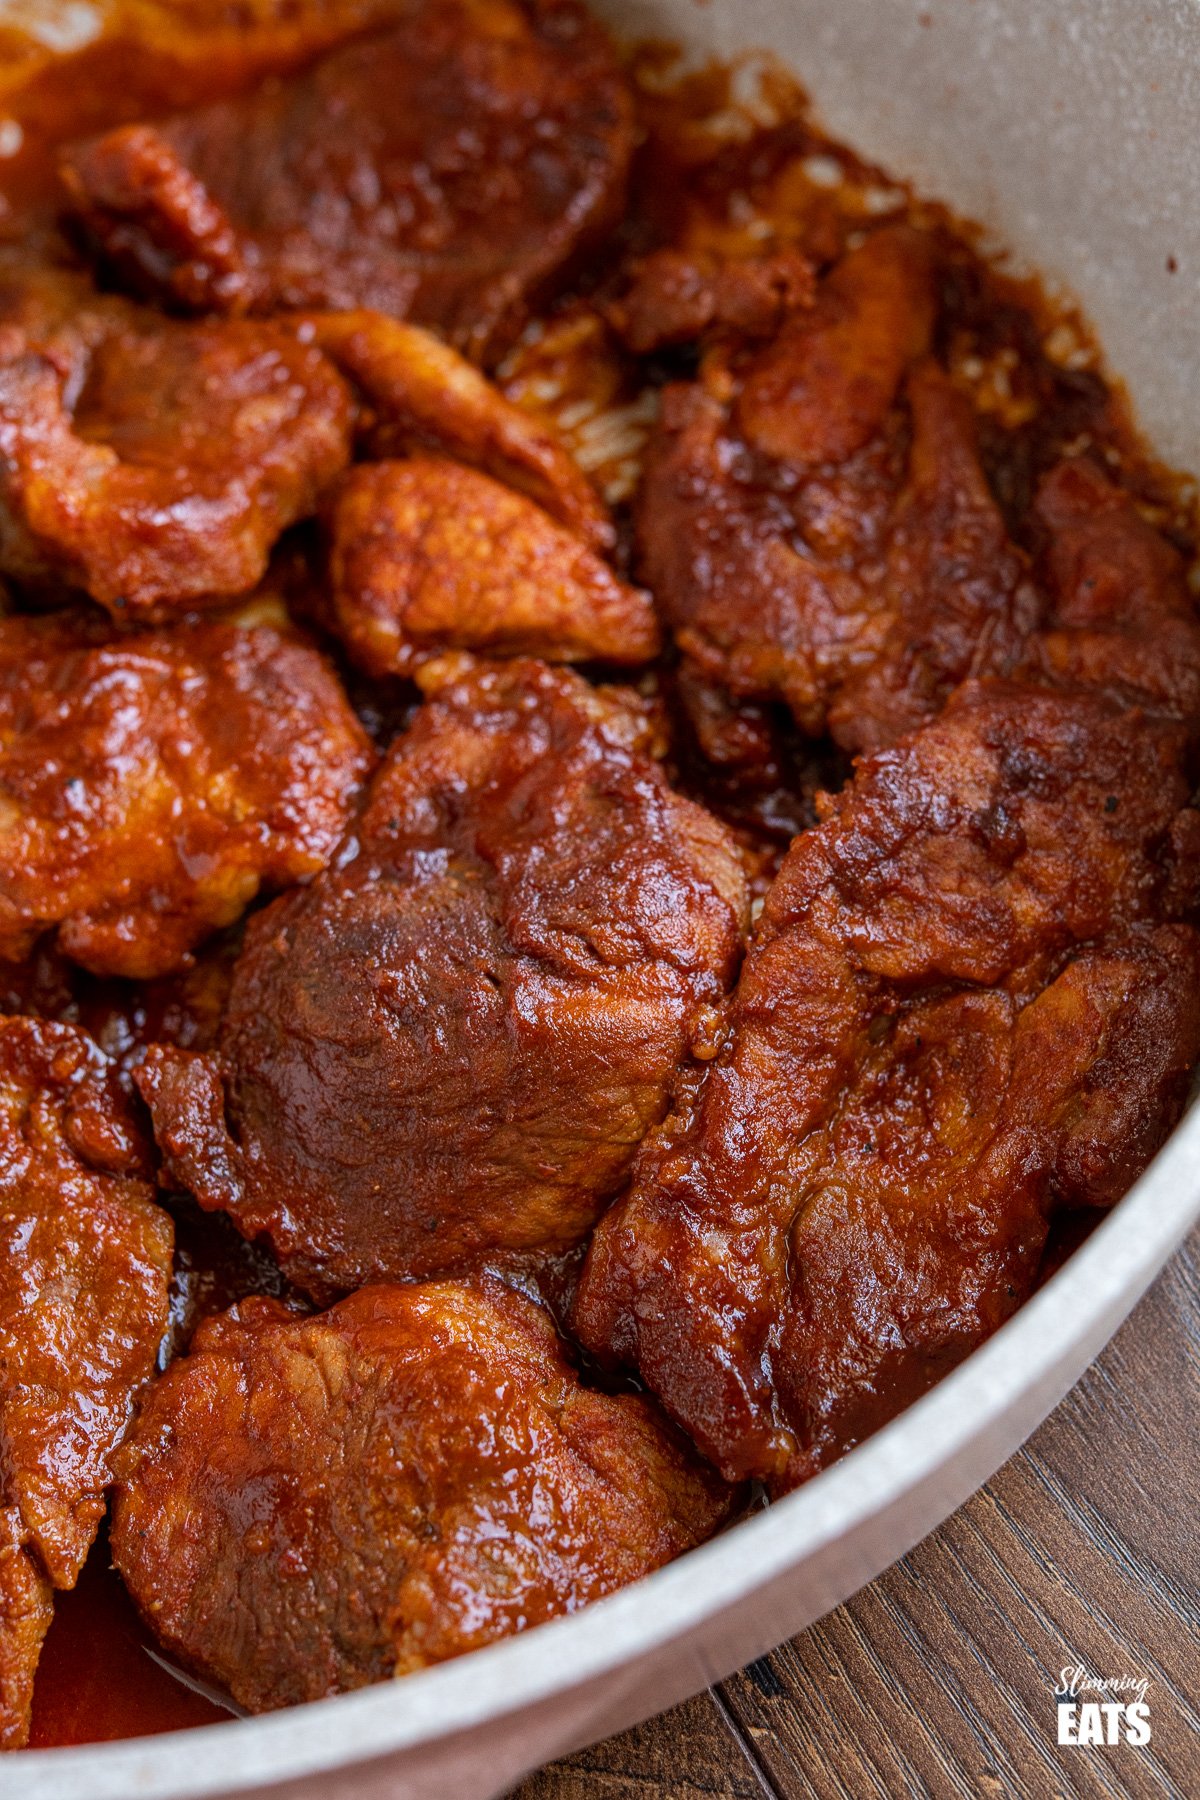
(1102, 1709)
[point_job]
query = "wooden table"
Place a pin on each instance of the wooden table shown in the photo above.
(937, 1679)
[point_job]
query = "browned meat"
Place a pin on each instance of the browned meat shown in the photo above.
(814, 522)
(311, 1505)
(823, 387)
(498, 1061)
(750, 608)
(85, 1258)
(957, 1014)
(149, 462)
(952, 598)
(426, 555)
(860, 600)
(455, 1039)
(150, 785)
(676, 297)
(447, 170)
(421, 395)
(125, 1017)
(26, 1612)
(1121, 614)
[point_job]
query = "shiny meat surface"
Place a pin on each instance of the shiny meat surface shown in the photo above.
(953, 598)
(150, 462)
(1121, 616)
(311, 1505)
(823, 387)
(447, 170)
(677, 297)
(419, 394)
(443, 332)
(151, 785)
(85, 1258)
(426, 555)
(454, 1040)
(958, 1013)
(815, 524)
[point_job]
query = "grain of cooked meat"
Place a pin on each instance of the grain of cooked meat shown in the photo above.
(448, 170)
(309, 1505)
(85, 1259)
(152, 784)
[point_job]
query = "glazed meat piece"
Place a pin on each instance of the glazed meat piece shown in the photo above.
(864, 601)
(958, 1013)
(150, 785)
(994, 1117)
(814, 521)
(426, 554)
(424, 1474)
(419, 394)
(751, 608)
(677, 297)
(828, 536)
(824, 385)
(1122, 617)
(447, 170)
(149, 462)
(452, 1042)
(816, 526)
(85, 1259)
(953, 598)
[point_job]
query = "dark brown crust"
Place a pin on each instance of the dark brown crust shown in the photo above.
(152, 784)
(245, 206)
(85, 1259)
(310, 1505)
(956, 1001)
(453, 1042)
(884, 515)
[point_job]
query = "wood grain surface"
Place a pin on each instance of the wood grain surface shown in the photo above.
(937, 1679)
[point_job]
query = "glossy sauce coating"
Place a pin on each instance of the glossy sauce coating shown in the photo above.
(828, 536)
(310, 1505)
(85, 1259)
(149, 462)
(958, 1014)
(427, 555)
(966, 1006)
(924, 1062)
(420, 394)
(445, 171)
(453, 1042)
(151, 784)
